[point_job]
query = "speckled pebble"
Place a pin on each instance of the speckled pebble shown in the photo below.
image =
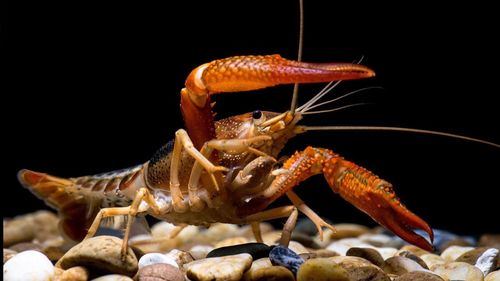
(272, 273)
(100, 254)
(256, 250)
(283, 256)
(219, 268)
(419, 276)
(360, 269)
(458, 271)
(368, 254)
(493, 276)
(483, 258)
(28, 265)
(413, 257)
(8, 254)
(154, 258)
(114, 277)
(453, 252)
(160, 272)
(400, 265)
(77, 273)
(231, 242)
(322, 269)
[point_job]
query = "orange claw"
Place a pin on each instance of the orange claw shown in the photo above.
(355, 184)
(245, 73)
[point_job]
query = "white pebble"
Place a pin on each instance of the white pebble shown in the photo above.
(341, 246)
(28, 265)
(153, 258)
(453, 252)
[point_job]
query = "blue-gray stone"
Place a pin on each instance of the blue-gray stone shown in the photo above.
(283, 256)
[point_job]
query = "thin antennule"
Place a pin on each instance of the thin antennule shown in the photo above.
(299, 56)
(397, 129)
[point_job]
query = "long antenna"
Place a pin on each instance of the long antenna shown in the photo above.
(299, 56)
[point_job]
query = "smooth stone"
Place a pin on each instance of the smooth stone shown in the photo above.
(113, 277)
(154, 258)
(419, 276)
(483, 258)
(272, 273)
(160, 272)
(231, 242)
(413, 257)
(256, 265)
(346, 230)
(100, 254)
(188, 233)
(8, 254)
(200, 251)
(28, 265)
(219, 268)
(280, 255)
(297, 247)
(135, 241)
(458, 271)
(400, 265)
(493, 276)
(180, 257)
(377, 240)
(221, 231)
(305, 240)
(77, 273)
(386, 252)
(360, 269)
(256, 250)
(40, 225)
(343, 245)
(414, 249)
(322, 269)
(453, 252)
(490, 240)
(26, 246)
(369, 254)
(455, 242)
(271, 237)
(431, 260)
(162, 229)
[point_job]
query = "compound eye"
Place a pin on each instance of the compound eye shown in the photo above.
(258, 117)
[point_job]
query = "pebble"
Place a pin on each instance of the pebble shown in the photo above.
(272, 273)
(147, 247)
(454, 242)
(419, 276)
(256, 250)
(8, 254)
(219, 268)
(400, 265)
(77, 273)
(220, 231)
(324, 253)
(386, 252)
(369, 254)
(154, 258)
(100, 254)
(322, 269)
(283, 256)
(246, 230)
(256, 265)
(307, 227)
(490, 240)
(453, 252)
(414, 249)
(180, 257)
(431, 260)
(493, 276)
(343, 245)
(25, 246)
(347, 230)
(200, 251)
(231, 242)
(114, 277)
(271, 237)
(28, 265)
(40, 225)
(458, 271)
(360, 269)
(305, 240)
(483, 258)
(297, 247)
(379, 240)
(160, 272)
(162, 229)
(413, 257)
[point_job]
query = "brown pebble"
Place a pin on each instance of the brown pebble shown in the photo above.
(413, 257)
(368, 254)
(360, 269)
(490, 240)
(324, 253)
(414, 249)
(25, 246)
(272, 273)
(471, 257)
(160, 272)
(77, 273)
(419, 276)
(400, 265)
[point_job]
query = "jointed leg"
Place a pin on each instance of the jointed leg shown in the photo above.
(105, 213)
(288, 228)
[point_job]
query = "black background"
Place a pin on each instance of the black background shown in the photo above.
(94, 86)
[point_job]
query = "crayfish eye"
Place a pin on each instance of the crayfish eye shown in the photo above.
(258, 117)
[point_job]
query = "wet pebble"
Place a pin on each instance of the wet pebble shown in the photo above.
(360, 269)
(322, 269)
(154, 258)
(28, 265)
(459, 271)
(453, 252)
(283, 256)
(219, 268)
(272, 273)
(493, 276)
(256, 250)
(368, 254)
(160, 272)
(114, 277)
(419, 276)
(100, 254)
(400, 265)
(413, 257)
(483, 258)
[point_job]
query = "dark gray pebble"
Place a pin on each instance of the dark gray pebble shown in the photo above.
(305, 240)
(256, 250)
(283, 256)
